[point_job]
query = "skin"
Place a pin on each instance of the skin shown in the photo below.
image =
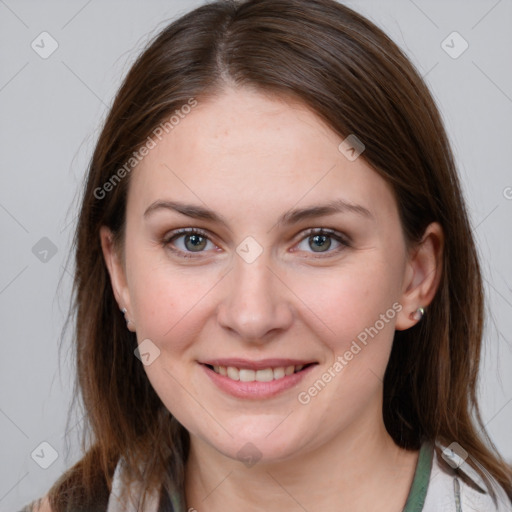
(251, 157)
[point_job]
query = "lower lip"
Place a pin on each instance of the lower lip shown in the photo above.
(255, 389)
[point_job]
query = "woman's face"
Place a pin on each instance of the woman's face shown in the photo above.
(250, 287)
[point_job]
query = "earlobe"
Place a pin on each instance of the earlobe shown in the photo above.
(418, 314)
(116, 272)
(423, 275)
(129, 324)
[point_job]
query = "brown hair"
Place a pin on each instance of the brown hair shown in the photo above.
(357, 80)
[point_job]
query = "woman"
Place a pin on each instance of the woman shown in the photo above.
(274, 207)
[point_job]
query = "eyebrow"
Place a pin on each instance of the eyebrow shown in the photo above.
(288, 218)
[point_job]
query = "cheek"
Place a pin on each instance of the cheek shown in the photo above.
(354, 318)
(348, 300)
(167, 304)
(170, 307)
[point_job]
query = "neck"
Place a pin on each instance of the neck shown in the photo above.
(358, 468)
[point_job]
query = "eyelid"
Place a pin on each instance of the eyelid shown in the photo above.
(177, 233)
(343, 239)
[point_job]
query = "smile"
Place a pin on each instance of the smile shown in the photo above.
(248, 375)
(264, 379)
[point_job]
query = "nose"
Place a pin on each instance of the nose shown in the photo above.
(256, 302)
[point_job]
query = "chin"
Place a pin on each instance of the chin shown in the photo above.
(256, 442)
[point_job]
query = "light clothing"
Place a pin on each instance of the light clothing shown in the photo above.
(436, 487)
(448, 492)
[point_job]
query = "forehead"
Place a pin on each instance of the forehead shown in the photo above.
(243, 151)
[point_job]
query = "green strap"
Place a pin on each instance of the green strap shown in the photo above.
(419, 486)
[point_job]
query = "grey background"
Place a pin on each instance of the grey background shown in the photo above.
(51, 111)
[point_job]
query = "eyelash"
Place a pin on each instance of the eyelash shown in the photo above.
(166, 242)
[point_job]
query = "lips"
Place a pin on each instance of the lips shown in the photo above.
(257, 365)
(256, 373)
(261, 379)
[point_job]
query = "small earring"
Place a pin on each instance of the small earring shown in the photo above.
(418, 314)
(128, 321)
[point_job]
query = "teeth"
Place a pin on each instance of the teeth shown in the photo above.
(247, 375)
(266, 375)
(279, 373)
(233, 373)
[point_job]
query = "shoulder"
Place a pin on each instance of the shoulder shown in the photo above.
(43, 505)
(39, 505)
(455, 485)
(125, 492)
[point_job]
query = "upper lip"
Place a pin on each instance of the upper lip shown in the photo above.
(256, 365)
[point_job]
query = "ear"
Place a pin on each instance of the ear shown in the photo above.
(117, 272)
(422, 275)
